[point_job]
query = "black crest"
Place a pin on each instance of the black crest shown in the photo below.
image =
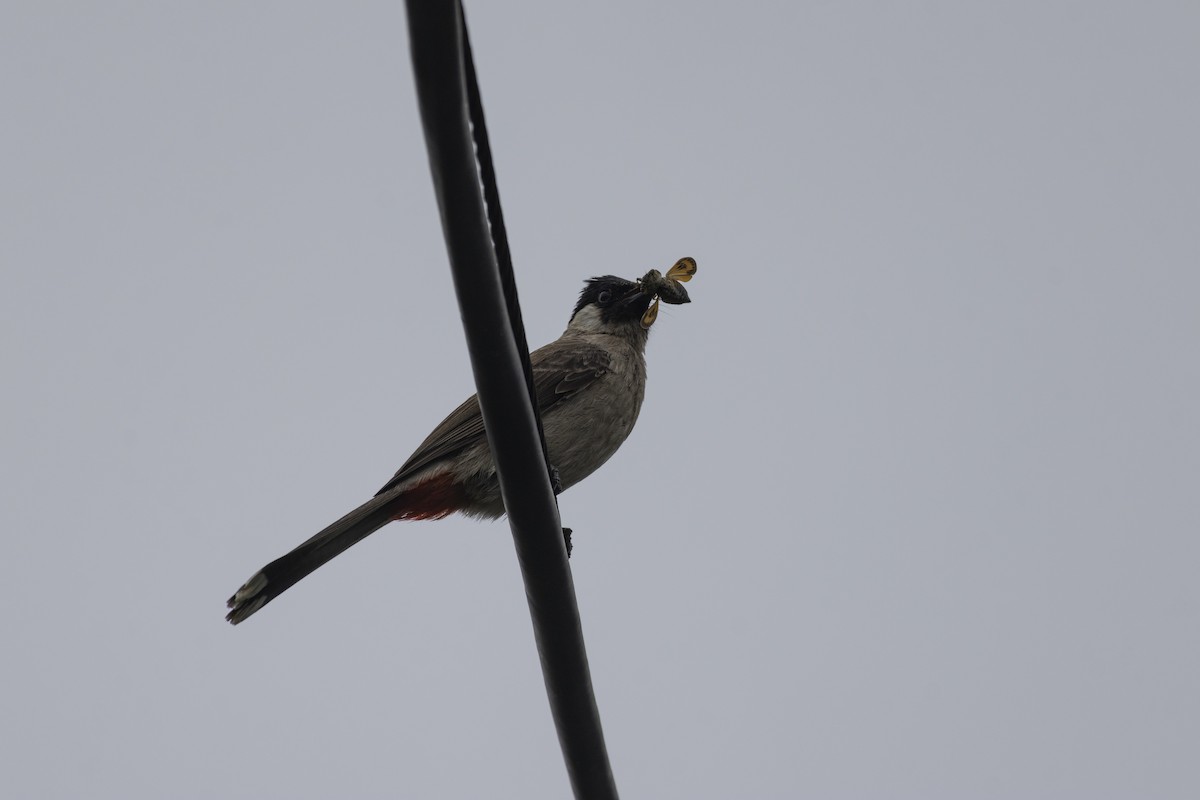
(605, 292)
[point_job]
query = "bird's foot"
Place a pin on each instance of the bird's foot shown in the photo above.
(567, 540)
(555, 481)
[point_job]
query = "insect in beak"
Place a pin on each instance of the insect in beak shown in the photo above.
(667, 287)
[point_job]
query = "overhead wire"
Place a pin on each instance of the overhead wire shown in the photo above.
(477, 243)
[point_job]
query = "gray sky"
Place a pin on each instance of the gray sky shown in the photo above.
(912, 507)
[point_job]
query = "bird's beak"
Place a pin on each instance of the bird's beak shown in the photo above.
(635, 300)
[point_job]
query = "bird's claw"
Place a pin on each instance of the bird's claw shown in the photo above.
(567, 540)
(555, 481)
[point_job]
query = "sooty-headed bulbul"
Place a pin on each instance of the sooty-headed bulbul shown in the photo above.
(589, 385)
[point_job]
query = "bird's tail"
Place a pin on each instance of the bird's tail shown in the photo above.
(430, 500)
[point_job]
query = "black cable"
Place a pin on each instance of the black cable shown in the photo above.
(437, 38)
(495, 213)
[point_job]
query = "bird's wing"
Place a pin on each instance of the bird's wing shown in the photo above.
(559, 371)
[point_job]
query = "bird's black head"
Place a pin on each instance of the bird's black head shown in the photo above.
(609, 300)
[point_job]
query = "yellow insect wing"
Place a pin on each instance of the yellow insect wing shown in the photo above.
(651, 314)
(683, 270)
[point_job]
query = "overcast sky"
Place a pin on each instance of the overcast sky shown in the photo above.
(912, 509)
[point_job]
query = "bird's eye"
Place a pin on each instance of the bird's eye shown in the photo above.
(605, 297)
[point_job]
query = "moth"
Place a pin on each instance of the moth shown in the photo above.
(668, 288)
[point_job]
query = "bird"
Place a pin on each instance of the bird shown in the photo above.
(589, 386)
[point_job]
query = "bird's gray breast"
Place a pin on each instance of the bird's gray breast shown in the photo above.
(584, 430)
